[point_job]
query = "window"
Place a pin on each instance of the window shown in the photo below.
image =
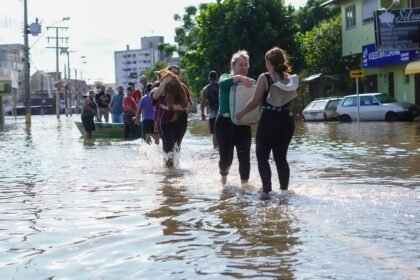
(349, 101)
(350, 16)
(368, 7)
(415, 3)
(333, 104)
(319, 105)
(368, 101)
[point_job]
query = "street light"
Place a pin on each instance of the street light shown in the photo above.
(67, 88)
(82, 86)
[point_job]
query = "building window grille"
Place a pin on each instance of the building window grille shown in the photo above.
(350, 16)
(415, 3)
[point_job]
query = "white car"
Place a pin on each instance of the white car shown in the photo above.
(321, 109)
(375, 107)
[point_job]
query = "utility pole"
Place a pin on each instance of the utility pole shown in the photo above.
(57, 71)
(69, 84)
(26, 65)
(34, 29)
(68, 97)
(76, 89)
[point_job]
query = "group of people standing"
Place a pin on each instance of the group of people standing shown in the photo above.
(276, 124)
(122, 106)
(146, 105)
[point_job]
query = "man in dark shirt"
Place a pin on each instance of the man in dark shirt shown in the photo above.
(103, 100)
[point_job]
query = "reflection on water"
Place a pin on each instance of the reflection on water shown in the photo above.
(99, 210)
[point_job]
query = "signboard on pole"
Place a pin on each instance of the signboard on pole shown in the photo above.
(5, 88)
(371, 57)
(357, 73)
(397, 29)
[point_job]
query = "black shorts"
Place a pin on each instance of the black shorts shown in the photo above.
(148, 127)
(211, 122)
(88, 123)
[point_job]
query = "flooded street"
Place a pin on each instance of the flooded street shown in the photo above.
(110, 210)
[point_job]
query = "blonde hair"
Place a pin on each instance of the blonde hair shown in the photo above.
(236, 56)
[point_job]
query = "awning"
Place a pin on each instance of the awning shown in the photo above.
(413, 67)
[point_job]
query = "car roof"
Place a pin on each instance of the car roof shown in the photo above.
(365, 94)
(328, 98)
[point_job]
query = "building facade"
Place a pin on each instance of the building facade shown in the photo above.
(385, 69)
(11, 68)
(130, 62)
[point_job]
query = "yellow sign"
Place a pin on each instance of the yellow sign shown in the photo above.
(357, 74)
(5, 88)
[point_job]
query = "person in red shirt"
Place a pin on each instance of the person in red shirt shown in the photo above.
(130, 110)
(136, 92)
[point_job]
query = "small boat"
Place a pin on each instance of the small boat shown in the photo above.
(107, 130)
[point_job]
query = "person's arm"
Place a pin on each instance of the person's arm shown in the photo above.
(133, 107)
(243, 79)
(139, 110)
(203, 104)
(110, 103)
(256, 99)
(159, 91)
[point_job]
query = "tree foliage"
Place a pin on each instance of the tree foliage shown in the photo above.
(322, 50)
(168, 49)
(210, 35)
(313, 13)
(150, 72)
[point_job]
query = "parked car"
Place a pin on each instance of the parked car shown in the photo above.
(375, 107)
(321, 109)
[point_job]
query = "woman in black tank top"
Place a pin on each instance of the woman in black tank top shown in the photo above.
(276, 126)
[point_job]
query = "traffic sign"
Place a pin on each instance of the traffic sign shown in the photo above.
(357, 73)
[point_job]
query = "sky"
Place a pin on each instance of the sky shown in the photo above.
(96, 29)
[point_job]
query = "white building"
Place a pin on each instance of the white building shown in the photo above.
(129, 63)
(11, 65)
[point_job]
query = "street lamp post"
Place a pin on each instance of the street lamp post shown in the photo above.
(68, 91)
(79, 88)
(26, 64)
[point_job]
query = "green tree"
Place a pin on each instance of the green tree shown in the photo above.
(150, 72)
(210, 34)
(313, 13)
(322, 50)
(168, 49)
(307, 17)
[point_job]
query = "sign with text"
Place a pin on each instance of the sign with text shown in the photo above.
(397, 29)
(357, 73)
(371, 57)
(5, 88)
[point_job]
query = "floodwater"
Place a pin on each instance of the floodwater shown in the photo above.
(111, 210)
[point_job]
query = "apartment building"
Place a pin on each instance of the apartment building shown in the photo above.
(130, 62)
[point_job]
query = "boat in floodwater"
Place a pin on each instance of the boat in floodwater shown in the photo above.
(107, 130)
